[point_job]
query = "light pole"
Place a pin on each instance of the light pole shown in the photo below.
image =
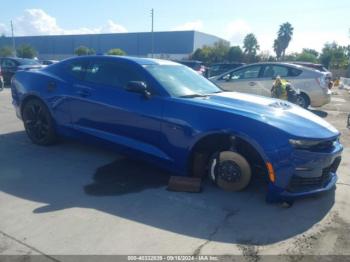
(152, 33)
(13, 42)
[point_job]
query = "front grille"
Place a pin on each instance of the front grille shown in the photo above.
(301, 184)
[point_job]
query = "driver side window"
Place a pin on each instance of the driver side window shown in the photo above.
(244, 73)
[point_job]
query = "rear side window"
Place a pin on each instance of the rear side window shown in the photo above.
(272, 71)
(77, 69)
(110, 73)
(292, 72)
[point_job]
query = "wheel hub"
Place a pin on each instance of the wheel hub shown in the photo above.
(229, 171)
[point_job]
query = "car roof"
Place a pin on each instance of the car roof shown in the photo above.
(137, 60)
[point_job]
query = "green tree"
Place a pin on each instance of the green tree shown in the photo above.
(6, 51)
(235, 54)
(219, 52)
(250, 46)
(202, 54)
(116, 51)
(83, 50)
(334, 56)
(284, 36)
(26, 51)
(306, 57)
(311, 51)
(277, 48)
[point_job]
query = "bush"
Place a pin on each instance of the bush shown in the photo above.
(83, 50)
(116, 51)
(6, 51)
(26, 51)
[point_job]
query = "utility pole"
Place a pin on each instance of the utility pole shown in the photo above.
(13, 41)
(152, 32)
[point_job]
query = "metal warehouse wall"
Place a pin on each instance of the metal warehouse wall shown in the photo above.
(201, 39)
(134, 44)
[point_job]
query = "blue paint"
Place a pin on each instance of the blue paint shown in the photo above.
(164, 129)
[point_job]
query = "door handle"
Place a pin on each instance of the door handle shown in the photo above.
(252, 83)
(83, 93)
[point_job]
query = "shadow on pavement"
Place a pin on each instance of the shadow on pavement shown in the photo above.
(62, 177)
(320, 113)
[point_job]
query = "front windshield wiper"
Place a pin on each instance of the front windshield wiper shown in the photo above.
(193, 95)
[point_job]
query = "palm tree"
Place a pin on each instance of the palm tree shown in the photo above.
(277, 48)
(250, 46)
(285, 34)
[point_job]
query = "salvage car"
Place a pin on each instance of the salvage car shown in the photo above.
(167, 114)
(258, 79)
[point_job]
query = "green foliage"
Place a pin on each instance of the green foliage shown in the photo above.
(250, 47)
(202, 54)
(335, 56)
(277, 48)
(250, 44)
(307, 56)
(311, 51)
(83, 50)
(116, 51)
(235, 54)
(284, 36)
(216, 53)
(26, 51)
(6, 51)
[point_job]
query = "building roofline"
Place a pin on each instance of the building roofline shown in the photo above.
(123, 33)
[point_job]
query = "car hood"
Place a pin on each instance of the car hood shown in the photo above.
(286, 116)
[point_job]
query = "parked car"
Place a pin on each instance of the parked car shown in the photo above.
(197, 66)
(10, 65)
(1, 81)
(48, 62)
(320, 68)
(220, 68)
(258, 79)
(165, 113)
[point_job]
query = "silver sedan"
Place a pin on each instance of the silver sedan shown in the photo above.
(258, 79)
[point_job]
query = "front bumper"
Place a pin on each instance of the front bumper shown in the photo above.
(317, 175)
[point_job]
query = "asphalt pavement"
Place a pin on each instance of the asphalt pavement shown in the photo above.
(80, 199)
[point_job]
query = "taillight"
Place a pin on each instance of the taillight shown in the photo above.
(321, 82)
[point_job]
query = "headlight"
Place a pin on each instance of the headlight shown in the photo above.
(303, 143)
(308, 144)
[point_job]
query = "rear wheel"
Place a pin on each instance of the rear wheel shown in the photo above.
(38, 123)
(230, 171)
(303, 101)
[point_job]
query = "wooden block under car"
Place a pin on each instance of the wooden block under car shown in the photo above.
(184, 184)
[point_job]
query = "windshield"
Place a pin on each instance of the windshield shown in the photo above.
(181, 81)
(28, 62)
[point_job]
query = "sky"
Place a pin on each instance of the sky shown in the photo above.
(315, 22)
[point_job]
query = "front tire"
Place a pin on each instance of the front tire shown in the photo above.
(230, 171)
(38, 123)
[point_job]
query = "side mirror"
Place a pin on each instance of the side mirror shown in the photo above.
(138, 87)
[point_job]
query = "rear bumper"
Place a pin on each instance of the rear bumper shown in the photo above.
(322, 99)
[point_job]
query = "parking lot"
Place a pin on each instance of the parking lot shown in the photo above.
(80, 199)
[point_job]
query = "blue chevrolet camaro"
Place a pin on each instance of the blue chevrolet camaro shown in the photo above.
(166, 113)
